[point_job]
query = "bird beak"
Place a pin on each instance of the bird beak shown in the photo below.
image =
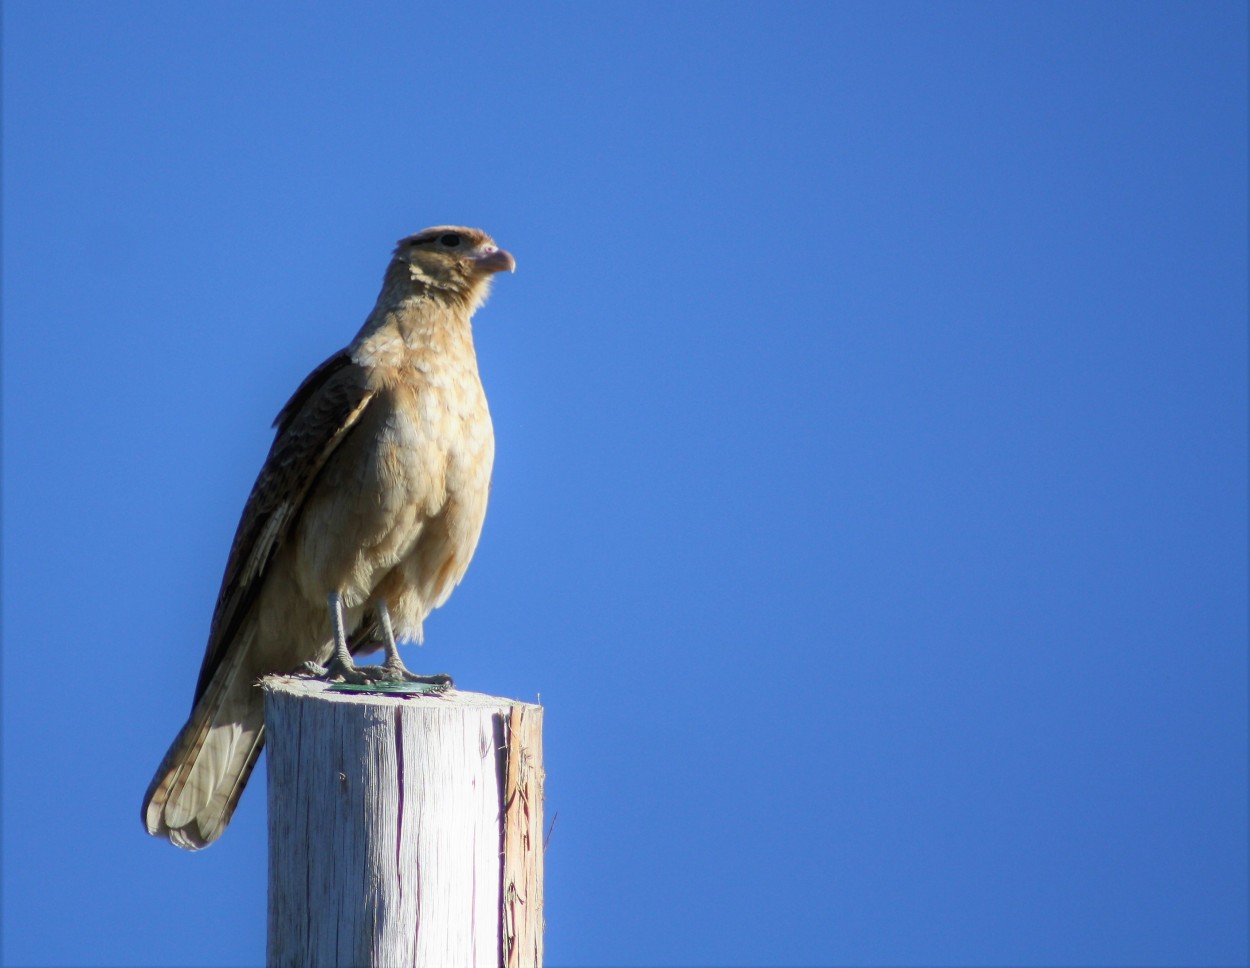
(491, 259)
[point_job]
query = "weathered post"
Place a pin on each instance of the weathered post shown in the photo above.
(403, 830)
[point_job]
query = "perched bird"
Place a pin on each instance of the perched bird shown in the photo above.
(363, 519)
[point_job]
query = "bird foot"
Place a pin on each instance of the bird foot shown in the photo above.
(396, 671)
(371, 675)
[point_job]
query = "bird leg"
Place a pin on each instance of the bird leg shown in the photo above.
(394, 666)
(341, 667)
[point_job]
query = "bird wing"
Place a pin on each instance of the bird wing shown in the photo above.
(313, 423)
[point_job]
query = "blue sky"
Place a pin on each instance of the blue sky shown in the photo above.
(870, 505)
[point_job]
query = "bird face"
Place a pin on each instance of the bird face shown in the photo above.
(453, 257)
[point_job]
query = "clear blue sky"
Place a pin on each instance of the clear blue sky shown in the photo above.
(870, 507)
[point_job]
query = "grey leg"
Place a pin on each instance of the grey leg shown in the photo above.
(340, 668)
(394, 668)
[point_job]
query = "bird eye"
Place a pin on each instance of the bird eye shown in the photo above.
(451, 240)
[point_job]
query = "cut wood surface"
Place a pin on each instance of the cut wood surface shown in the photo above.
(403, 830)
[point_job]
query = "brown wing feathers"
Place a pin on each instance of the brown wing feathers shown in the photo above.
(313, 422)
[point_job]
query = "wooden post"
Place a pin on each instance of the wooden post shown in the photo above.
(403, 830)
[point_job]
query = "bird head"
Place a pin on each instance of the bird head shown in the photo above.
(452, 260)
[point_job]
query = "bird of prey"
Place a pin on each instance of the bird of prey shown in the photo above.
(362, 520)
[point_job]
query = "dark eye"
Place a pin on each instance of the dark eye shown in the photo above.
(451, 240)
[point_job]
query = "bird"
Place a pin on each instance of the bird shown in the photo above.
(363, 519)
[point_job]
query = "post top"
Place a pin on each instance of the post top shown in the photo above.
(303, 687)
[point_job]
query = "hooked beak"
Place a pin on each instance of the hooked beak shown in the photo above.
(489, 258)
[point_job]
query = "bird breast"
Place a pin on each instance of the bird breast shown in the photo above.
(408, 487)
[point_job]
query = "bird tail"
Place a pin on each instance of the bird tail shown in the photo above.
(198, 784)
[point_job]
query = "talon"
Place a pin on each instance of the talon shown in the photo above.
(398, 672)
(338, 671)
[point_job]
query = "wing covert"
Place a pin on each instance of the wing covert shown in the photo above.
(321, 412)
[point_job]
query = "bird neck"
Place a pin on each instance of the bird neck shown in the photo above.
(455, 290)
(420, 322)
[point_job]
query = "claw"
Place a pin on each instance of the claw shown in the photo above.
(398, 672)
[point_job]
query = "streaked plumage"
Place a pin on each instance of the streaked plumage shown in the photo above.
(375, 489)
